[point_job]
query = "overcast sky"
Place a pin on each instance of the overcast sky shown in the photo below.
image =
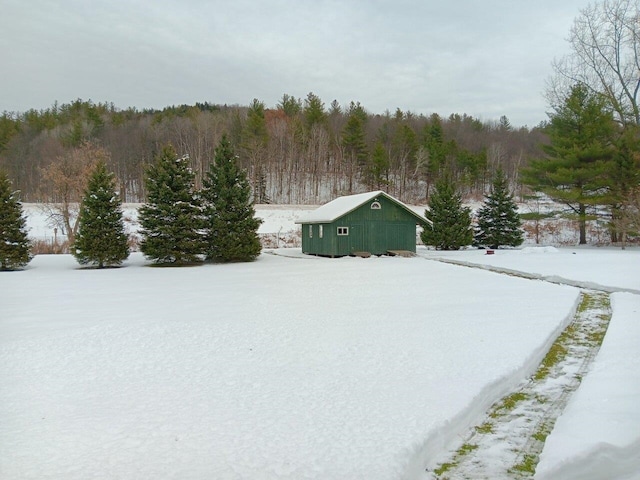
(484, 58)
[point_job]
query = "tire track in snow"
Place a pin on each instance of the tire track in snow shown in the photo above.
(508, 441)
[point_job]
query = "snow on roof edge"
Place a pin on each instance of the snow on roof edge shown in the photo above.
(341, 206)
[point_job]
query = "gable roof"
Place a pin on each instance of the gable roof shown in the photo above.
(341, 206)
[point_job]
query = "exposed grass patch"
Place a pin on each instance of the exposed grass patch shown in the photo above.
(570, 336)
(527, 406)
(597, 336)
(573, 336)
(542, 433)
(593, 301)
(509, 402)
(527, 465)
(485, 428)
(554, 356)
(444, 468)
(464, 450)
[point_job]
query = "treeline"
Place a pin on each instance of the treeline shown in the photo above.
(300, 151)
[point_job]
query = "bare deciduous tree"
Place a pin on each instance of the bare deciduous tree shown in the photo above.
(67, 179)
(605, 56)
(628, 220)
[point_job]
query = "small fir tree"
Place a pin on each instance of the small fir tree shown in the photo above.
(171, 219)
(14, 244)
(230, 230)
(101, 239)
(451, 227)
(498, 221)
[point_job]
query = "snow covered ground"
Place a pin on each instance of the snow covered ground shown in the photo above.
(281, 368)
(598, 435)
(296, 367)
(606, 268)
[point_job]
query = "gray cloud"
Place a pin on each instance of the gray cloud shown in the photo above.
(485, 59)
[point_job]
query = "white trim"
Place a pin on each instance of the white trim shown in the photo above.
(343, 231)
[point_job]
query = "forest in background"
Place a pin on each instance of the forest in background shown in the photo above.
(301, 151)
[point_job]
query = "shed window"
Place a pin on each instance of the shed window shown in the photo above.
(343, 230)
(376, 206)
(320, 231)
(310, 231)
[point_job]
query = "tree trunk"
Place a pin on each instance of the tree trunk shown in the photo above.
(582, 219)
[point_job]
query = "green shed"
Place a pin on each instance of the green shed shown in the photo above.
(372, 222)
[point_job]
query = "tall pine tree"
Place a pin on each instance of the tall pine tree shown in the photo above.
(580, 155)
(101, 239)
(498, 221)
(451, 220)
(230, 229)
(377, 171)
(14, 244)
(171, 219)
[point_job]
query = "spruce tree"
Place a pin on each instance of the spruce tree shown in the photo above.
(498, 221)
(230, 225)
(451, 227)
(101, 239)
(171, 219)
(14, 244)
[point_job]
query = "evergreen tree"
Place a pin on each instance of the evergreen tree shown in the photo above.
(14, 244)
(498, 220)
(354, 141)
(353, 135)
(171, 219)
(377, 173)
(290, 105)
(101, 239)
(580, 155)
(313, 111)
(230, 225)
(451, 227)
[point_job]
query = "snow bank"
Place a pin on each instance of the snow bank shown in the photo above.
(598, 434)
(538, 250)
(610, 269)
(283, 368)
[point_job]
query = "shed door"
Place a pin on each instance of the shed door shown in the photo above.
(377, 239)
(356, 238)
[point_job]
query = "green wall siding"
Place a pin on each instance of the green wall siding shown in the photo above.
(374, 231)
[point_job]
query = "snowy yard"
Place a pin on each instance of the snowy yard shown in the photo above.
(598, 435)
(297, 367)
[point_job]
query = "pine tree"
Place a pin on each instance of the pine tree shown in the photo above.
(498, 221)
(230, 230)
(377, 172)
(451, 227)
(580, 155)
(171, 219)
(101, 239)
(14, 244)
